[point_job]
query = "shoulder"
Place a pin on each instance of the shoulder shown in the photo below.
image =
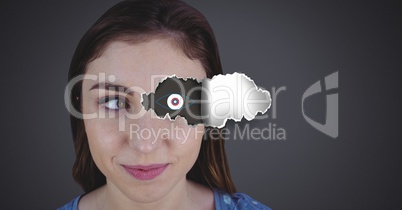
(238, 201)
(72, 205)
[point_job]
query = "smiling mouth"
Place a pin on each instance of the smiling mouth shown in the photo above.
(145, 172)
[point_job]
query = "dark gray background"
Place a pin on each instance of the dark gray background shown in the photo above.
(285, 43)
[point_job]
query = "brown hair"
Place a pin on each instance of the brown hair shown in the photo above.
(142, 20)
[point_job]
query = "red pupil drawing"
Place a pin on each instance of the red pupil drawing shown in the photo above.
(175, 101)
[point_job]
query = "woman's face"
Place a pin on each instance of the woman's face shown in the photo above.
(148, 157)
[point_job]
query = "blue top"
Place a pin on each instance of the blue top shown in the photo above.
(223, 201)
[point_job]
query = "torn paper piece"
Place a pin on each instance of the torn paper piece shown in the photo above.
(232, 96)
(176, 97)
(211, 101)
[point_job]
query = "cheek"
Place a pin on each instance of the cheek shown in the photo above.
(189, 145)
(104, 141)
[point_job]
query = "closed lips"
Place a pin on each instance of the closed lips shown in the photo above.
(145, 172)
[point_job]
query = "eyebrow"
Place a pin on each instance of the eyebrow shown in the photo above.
(112, 87)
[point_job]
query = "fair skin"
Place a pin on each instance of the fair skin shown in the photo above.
(111, 148)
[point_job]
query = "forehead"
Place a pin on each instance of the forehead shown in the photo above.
(142, 64)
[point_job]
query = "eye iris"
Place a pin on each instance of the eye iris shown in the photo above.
(175, 101)
(121, 104)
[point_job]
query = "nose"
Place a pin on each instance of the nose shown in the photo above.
(148, 133)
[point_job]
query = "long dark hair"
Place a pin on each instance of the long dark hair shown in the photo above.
(141, 20)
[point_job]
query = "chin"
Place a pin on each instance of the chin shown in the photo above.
(147, 194)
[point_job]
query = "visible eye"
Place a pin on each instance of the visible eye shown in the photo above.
(174, 101)
(114, 103)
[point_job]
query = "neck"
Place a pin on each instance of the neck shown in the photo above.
(178, 198)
